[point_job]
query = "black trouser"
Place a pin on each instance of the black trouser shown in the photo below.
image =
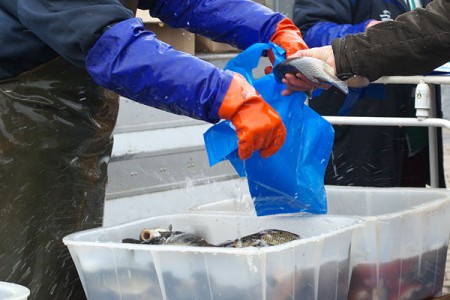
(55, 142)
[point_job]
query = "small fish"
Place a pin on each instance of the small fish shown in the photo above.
(149, 234)
(161, 236)
(152, 236)
(187, 239)
(174, 238)
(264, 238)
(314, 69)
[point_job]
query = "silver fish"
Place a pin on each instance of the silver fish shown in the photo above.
(314, 69)
(161, 236)
(187, 239)
(149, 234)
(263, 238)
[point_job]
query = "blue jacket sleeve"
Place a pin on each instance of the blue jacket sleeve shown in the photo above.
(323, 33)
(322, 21)
(131, 61)
(239, 23)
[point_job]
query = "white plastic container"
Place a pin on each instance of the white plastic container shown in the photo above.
(314, 267)
(12, 291)
(400, 252)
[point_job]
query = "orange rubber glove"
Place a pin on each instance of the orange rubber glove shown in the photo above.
(258, 125)
(288, 37)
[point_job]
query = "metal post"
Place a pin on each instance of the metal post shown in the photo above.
(433, 142)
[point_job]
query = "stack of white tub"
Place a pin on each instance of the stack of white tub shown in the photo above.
(374, 244)
(400, 252)
(313, 267)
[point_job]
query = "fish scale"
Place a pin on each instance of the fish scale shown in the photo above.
(263, 238)
(314, 69)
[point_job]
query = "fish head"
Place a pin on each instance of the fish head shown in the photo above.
(315, 70)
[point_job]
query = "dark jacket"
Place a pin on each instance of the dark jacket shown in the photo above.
(322, 21)
(33, 32)
(362, 155)
(417, 42)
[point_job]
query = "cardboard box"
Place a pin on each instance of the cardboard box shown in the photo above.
(180, 39)
(145, 16)
(131, 4)
(203, 44)
(268, 3)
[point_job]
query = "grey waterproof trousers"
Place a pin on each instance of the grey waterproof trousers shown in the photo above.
(55, 143)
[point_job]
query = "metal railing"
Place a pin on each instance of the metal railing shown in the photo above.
(425, 104)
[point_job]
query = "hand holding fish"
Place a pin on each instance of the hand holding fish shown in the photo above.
(326, 55)
(298, 81)
(288, 37)
(306, 75)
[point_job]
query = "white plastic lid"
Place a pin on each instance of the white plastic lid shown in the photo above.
(12, 291)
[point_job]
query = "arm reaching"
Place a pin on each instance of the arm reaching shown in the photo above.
(415, 43)
(130, 61)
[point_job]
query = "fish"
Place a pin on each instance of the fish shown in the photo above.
(161, 236)
(149, 234)
(152, 236)
(314, 69)
(187, 239)
(263, 238)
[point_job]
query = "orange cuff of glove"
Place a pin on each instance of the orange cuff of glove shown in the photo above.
(288, 37)
(258, 125)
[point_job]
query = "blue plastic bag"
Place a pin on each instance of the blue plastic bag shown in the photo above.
(291, 180)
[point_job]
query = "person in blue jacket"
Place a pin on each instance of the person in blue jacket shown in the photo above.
(62, 66)
(365, 155)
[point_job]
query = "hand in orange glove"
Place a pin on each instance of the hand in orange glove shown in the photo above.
(288, 37)
(258, 125)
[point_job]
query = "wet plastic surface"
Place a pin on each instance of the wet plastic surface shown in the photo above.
(314, 267)
(12, 291)
(400, 252)
(55, 142)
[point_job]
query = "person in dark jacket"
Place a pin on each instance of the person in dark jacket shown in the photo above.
(62, 65)
(415, 43)
(382, 156)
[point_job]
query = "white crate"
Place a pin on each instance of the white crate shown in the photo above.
(314, 267)
(12, 291)
(400, 252)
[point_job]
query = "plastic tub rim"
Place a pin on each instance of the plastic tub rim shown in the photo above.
(358, 222)
(431, 205)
